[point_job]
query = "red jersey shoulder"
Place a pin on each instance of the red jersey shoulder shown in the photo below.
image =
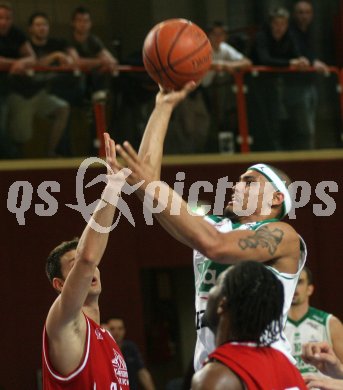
(249, 362)
(102, 366)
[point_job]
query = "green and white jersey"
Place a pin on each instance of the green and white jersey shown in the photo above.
(313, 327)
(206, 273)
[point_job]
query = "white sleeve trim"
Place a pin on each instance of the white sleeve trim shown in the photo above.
(81, 367)
(327, 328)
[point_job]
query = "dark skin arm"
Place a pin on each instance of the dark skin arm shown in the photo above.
(216, 376)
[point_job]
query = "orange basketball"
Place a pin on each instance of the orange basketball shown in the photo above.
(176, 51)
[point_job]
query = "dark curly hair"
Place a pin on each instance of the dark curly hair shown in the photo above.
(255, 299)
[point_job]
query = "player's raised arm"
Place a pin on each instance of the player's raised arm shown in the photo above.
(275, 240)
(78, 279)
(155, 132)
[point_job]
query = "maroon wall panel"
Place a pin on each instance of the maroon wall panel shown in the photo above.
(25, 292)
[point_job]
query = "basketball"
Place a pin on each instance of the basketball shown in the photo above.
(176, 51)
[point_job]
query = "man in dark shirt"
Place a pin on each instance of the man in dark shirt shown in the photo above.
(49, 50)
(305, 90)
(138, 374)
(16, 57)
(92, 53)
(31, 96)
(274, 46)
(301, 28)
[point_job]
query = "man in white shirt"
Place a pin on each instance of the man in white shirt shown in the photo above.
(216, 84)
(225, 57)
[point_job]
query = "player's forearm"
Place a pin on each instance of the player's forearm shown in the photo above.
(93, 241)
(145, 379)
(176, 218)
(154, 136)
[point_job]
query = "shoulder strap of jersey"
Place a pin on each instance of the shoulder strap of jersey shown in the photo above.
(255, 225)
(214, 218)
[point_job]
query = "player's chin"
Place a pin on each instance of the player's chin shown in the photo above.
(95, 289)
(229, 210)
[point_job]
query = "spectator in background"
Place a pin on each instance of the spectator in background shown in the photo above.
(225, 57)
(304, 95)
(99, 64)
(16, 57)
(301, 28)
(31, 96)
(274, 46)
(216, 83)
(138, 374)
(306, 324)
(49, 51)
(93, 54)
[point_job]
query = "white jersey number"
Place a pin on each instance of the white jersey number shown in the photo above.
(113, 386)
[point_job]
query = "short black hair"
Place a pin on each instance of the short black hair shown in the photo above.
(255, 298)
(217, 24)
(80, 10)
(6, 5)
(302, 1)
(35, 15)
(308, 274)
(53, 262)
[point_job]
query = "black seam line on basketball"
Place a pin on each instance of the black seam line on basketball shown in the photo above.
(187, 56)
(175, 40)
(153, 65)
(159, 60)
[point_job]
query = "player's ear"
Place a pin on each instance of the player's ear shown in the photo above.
(278, 198)
(310, 289)
(222, 305)
(57, 284)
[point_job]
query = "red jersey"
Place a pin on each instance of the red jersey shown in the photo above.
(260, 368)
(102, 367)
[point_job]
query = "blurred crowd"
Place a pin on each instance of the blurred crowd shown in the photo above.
(282, 107)
(25, 94)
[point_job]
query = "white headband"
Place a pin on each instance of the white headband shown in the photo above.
(278, 184)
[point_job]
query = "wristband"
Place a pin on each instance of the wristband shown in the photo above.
(112, 191)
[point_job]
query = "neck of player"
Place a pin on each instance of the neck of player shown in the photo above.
(297, 312)
(91, 308)
(223, 332)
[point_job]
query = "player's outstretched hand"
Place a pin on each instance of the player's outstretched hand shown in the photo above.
(173, 98)
(140, 168)
(111, 155)
(318, 382)
(322, 356)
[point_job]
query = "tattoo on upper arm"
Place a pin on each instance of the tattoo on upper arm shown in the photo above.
(264, 237)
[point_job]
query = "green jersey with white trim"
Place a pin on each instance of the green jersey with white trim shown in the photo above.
(313, 327)
(206, 273)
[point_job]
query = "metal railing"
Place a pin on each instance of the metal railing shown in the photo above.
(240, 89)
